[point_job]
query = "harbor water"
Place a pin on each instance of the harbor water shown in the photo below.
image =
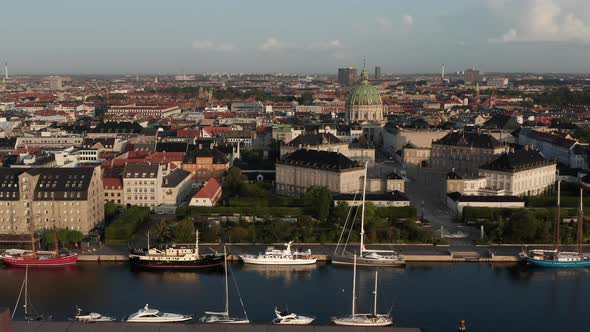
(433, 297)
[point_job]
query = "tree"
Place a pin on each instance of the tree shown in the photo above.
(233, 183)
(317, 200)
(184, 232)
(161, 232)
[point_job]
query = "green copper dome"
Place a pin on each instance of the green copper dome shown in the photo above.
(364, 93)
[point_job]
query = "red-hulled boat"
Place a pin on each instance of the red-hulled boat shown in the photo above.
(37, 259)
(16, 257)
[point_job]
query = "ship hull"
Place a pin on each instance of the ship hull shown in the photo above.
(44, 262)
(206, 262)
(558, 264)
(362, 261)
(261, 261)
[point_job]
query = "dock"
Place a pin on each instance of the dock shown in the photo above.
(21, 326)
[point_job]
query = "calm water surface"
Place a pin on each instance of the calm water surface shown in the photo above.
(433, 297)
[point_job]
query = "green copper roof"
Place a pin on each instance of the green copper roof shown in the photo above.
(364, 93)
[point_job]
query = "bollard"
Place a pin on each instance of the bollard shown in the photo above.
(462, 327)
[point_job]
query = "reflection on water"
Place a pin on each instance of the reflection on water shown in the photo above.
(491, 297)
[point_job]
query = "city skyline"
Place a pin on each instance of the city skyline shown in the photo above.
(303, 37)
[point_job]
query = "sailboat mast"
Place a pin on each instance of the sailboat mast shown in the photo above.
(33, 247)
(363, 209)
(354, 287)
(197, 242)
(375, 297)
(557, 223)
(581, 224)
(26, 306)
(226, 285)
(55, 240)
(148, 238)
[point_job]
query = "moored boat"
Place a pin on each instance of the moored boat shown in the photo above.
(272, 256)
(175, 257)
(150, 315)
(91, 317)
(555, 257)
(33, 257)
(284, 317)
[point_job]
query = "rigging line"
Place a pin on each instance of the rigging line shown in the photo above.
(18, 299)
(238, 291)
(350, 231)
(345, 224)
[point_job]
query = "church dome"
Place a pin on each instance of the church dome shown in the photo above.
(364, 94)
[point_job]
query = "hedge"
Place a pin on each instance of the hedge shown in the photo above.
(125, 225)
(402, 212)
(243, 210)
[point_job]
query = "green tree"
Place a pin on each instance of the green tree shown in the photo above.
(233, 183)
(161, 232)
(184, 232)
(317, 200)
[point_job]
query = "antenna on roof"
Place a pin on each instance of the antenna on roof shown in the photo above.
(364, 62)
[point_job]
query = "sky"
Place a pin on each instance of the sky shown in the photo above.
(303, 36)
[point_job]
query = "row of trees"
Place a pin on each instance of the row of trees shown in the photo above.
(125, 225)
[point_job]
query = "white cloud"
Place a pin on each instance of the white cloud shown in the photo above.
(543, 21)
(326, 45)
(384, 23)
(408, 20)
(507, 37)
(273, 43)
(209, 45)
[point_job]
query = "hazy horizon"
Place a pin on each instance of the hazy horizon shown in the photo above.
(150, 37)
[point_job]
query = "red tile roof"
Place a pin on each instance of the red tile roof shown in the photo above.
(209, 189)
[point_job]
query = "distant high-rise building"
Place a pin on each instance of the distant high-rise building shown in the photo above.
(56, 83)
(347, 76)
(377, 72)
(471, 76)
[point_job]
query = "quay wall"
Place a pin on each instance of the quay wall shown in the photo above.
(19, 326)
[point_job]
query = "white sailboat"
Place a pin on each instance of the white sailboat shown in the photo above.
(29, 310)
(373, 319)
(368, 257)
(287, 256)
(223, 317)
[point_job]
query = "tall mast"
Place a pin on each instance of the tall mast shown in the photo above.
(26, 306)
(581, 224)
(557, 223)
(363, 209)
(32, 229)
(375, 297)
(197, 242)
(226, 285)
(354, 287)
(55, 238)
(148, 238)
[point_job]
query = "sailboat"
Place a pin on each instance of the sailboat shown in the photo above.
(368, 257)
(30, 313)
(373, 319)
(223, 317)
(21, 258)
(556, 257)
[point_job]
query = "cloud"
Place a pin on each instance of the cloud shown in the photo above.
(273, 43)
(384, 23)
(209, 45)
(408, 20)
(507, 37)
(326, 45)
(543, 21)
(461, 43)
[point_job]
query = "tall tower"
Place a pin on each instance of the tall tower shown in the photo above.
(442, 73)
(6, 70)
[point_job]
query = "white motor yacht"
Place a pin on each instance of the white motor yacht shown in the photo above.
(274, 256)
(148, 315)
(289, 318)
(87, 316)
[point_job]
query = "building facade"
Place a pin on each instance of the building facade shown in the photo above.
(65, 198)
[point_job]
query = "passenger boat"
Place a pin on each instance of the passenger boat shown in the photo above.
(224, 317)
(367, 257)
(174, 257)
(289, 318)
(91, 317)
(22, 258)
(555, 257)
(149, 315)
(368, 320)
(274, 256)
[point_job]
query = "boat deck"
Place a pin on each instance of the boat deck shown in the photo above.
(133, 327)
